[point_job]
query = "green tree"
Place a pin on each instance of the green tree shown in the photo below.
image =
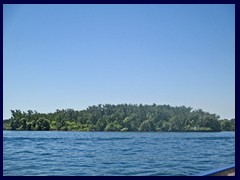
(23, 124)
(146, 125)
(121, 117)
(226, 125)
(113, 126)
(42, 124)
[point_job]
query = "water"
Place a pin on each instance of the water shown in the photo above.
(115, 153)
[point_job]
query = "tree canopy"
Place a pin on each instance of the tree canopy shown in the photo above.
(121, 117)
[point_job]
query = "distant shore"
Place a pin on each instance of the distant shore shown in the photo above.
(116, 131)
(121, 118)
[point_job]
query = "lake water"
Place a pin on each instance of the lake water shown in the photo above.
(115, 153)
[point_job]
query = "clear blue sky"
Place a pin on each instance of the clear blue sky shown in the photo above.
(74, 56)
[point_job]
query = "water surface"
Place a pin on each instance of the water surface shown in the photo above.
(115, 153)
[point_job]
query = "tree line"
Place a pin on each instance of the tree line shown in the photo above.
(121, 117)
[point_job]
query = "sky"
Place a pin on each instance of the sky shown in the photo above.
(75, 56)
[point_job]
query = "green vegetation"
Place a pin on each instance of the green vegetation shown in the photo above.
(122, 117)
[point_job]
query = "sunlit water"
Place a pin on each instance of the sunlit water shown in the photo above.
(115, 153)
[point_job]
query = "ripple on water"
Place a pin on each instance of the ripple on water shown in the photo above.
(99, 153)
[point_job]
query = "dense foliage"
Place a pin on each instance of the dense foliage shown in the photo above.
(122, 117)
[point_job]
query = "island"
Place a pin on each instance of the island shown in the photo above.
(121, 117)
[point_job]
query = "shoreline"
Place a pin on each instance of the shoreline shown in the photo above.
(121, 131)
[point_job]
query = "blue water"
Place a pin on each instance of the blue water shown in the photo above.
(115, 153)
